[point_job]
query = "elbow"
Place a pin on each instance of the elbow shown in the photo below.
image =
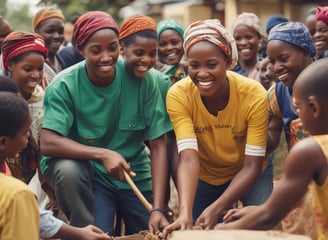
(46, 142)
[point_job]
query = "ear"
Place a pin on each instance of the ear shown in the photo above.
(121, 49)
(2, 142)
(315, 106)
(80, 51)
(10, 66)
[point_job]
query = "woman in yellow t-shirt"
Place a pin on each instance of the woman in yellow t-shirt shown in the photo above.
(220, 120)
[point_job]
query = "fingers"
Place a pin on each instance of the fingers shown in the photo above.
(152, 228)
(230, 215)
(170, 228)
(127, 168)
(174, 226)
(95, 229)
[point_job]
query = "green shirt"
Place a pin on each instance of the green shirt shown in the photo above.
(118, 117)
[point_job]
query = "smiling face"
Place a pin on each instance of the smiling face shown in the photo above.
(207, 68)
(140, 56)
(287, 61)
(320, 37)
(170, 49)
(52, 31)
(266, 75)
(247, 40)
(27, 71)
(101, 52)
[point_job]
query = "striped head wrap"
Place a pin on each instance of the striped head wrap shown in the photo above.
(211, 30)
(89, 23)
(136, 24)
(250, 20)
(20, 42)
(169, 24)
(45, 14)
(322, 14)
(295, 33)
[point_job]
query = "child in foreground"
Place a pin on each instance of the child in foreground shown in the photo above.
(307, 161)
(19, 215)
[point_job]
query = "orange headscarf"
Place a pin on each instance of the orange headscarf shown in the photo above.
(136, 24)
(44, 14)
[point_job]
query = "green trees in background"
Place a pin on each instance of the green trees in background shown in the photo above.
(20, 16)
(72, 7)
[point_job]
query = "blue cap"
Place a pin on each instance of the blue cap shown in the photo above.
(273, 21)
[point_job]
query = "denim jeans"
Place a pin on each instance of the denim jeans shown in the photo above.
(206, 193)
(109, 200)
(72, 183)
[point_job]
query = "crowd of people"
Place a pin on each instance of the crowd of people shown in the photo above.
(199, 110)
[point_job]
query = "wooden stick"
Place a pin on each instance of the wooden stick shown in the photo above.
(141, 197)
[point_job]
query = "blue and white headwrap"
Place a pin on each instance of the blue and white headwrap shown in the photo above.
(295, 33)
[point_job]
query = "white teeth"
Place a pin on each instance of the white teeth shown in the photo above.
(142, 68)
(246, 50)
(171, 55)
(32, 84)
(105, 67)
(318, 43)
(205, 83)
(283, 76)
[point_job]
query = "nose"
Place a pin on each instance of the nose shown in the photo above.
(242, 41)
(37, 74)
(202, 72)
(105, 56)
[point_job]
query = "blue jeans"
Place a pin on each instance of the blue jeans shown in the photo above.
(72, 183)
(108, 200)
(206, 193)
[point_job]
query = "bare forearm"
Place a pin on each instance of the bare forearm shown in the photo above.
(160, 172)
(239, 186)
(55, 145)
(188, 175)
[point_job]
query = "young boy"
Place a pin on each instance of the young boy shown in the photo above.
(307, 161)
(50, 226)
(19, 215)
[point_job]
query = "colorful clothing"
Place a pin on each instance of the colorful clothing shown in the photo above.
(280, 106)
(320, 195)
(223, 140)
(175, 72)
(24, 165)
(19, 214)
(95, 119)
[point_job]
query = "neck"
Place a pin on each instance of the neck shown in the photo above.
(219, 100)
(248, 64)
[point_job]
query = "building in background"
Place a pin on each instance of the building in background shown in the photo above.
(187, 11)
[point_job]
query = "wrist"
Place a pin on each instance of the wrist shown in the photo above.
(162, 210)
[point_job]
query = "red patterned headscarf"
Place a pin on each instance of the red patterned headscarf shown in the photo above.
(136, 24)
(20, 42)
(322, 14)
(44, 14)
(89, 23)
(211, 30)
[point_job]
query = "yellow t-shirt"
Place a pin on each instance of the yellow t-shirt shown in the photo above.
(320, 195)
(19, 213)
(223, 140)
